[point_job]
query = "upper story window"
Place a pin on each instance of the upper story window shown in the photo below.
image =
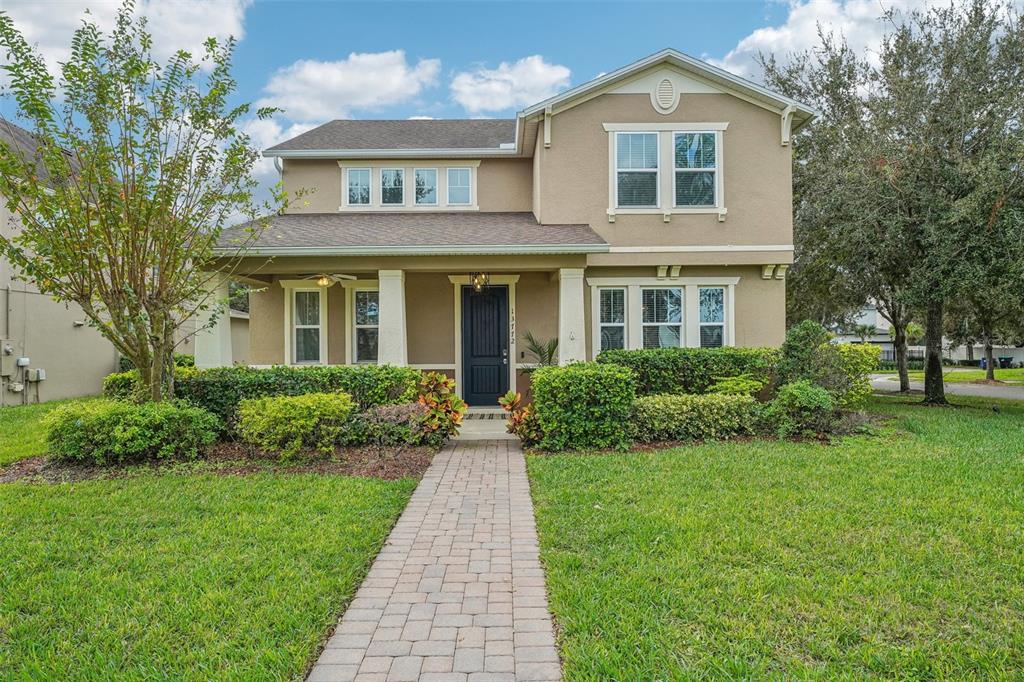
(695, 167)
(358, 186)
(665, 168)
(459, 189)
(392, 186)
(426, 186)
(636, 169)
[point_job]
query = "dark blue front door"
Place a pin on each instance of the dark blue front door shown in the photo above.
(484, 344)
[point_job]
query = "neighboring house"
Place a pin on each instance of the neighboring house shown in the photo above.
(38, 334)
(649, 207)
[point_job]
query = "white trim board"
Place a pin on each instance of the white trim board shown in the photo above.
(700, 249)
(664, 127)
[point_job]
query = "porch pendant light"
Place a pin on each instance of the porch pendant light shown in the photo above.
(324, 281)
(479, 280)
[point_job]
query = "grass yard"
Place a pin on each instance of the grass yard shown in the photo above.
(182, 576)
(898, 556)
(22, 434)
(1014, 376)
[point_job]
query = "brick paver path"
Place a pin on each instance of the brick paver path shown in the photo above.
(457, 592)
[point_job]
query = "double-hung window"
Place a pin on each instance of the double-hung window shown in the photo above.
(695, 170)
(613, 318)
(307, 328)
(358, 186)
(712, 316)
(459, 191)
(392, 186)
(662, 318)
(636, 169)
(426, 186)
(367, 322)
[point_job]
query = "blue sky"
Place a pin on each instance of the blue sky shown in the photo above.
(384, 59)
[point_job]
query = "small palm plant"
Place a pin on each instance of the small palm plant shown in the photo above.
(864, 331)
(544, 353)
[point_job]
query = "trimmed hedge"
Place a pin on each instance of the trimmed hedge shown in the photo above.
(289, 423)
(106, 431)
(690, 370)
(801, 408)
(857, 361)
(693, 417)
(221, 389)
(586, 405)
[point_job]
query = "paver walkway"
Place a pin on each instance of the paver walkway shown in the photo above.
(457, 592)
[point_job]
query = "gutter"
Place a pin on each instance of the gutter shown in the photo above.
(421, 250)
(387, 153)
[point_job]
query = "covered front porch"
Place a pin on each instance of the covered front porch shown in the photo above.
(466, 316)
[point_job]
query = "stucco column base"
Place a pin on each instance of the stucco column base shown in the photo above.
(392, 343)
(572, 337)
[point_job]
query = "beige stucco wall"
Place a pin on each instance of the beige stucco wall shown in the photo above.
(757, 173)
(505, 185)
(76, 358)
(240, 340)
(266, 325)
(430, 318)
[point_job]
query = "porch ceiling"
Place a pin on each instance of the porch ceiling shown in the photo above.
(385, 234)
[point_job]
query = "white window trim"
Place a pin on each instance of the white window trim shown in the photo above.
(666, 180)
(718, 176)
(380, 184)
(656, 170)
(345, 189)
(634, 307)
(599, 325)
(351, 287)
(291, 286)
(447, 178)
(437, 187)
(724, 324)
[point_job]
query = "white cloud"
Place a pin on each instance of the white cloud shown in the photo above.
(421, 118)
(174, 24)
(521, 83)
(311, 90)
(860, 21)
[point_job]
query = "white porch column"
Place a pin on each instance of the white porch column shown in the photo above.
(572, 336)
(213, 344)
(392, 346)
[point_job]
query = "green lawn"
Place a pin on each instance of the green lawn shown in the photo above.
(182, 576)
(897, 556)
(1015, 375)
(21, 434)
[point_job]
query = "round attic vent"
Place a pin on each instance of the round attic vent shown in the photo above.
(665, 95)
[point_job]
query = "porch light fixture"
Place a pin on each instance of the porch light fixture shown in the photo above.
(479, 280)
(324, 281)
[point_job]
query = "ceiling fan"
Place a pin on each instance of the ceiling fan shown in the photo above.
(326, 280)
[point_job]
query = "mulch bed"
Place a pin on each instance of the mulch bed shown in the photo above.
(237, 459)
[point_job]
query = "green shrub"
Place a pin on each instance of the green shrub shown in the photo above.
(801, 408)
(741, 384)
(841, 369)
(693, 417)
(586, 405)
(289, 423)
(858, 361)
(220, 390)
(107, 431)
(690, 370)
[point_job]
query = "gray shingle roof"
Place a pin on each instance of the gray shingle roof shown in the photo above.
(419, 134)
(413, 234)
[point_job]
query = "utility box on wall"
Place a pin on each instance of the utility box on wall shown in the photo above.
(8, 359)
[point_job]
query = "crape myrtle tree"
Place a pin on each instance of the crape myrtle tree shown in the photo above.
(928, 193)
(137, 169)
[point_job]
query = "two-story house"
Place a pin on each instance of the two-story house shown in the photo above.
(649, 207)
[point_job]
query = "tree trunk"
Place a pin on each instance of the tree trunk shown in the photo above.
(900, 346)
(990, 367)
(934, 390)
(970, 351)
